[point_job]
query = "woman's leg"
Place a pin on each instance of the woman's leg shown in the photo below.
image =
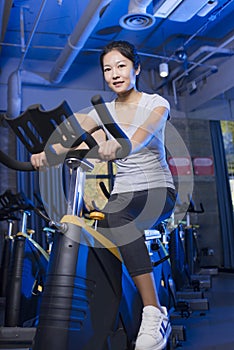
(146, 286)
(126, 227)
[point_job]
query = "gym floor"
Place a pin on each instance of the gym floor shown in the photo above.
(212, 329)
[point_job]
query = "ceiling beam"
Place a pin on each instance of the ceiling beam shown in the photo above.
(218, 109)
(216, 84)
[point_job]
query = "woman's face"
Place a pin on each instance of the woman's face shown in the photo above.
(119, 72)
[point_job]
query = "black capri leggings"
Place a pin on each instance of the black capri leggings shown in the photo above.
(127, 215)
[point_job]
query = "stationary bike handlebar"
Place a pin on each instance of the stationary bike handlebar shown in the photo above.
(111, 126)
(14, 164)
(92, 152)
(192, 209)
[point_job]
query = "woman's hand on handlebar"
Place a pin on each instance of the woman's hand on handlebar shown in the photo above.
(107, 149)
(39, 160)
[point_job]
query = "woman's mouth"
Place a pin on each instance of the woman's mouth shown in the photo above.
(118, 83)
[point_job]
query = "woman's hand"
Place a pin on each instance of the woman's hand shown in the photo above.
(39, 160)
(107, 149)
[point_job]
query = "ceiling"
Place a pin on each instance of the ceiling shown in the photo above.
(194, 44)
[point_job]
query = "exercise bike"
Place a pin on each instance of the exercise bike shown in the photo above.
(89, 300)
(22, 272)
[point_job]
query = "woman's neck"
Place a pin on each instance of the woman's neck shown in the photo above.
(130, 96)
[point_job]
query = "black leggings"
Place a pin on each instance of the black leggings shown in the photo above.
(127, 215)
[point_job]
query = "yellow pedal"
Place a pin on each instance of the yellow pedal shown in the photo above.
(96, 215)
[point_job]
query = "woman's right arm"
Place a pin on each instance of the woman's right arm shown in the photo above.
(39, 160)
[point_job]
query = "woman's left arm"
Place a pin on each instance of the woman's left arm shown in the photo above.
(146, 131)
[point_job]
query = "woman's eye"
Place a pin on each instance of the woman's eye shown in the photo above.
(106, 70)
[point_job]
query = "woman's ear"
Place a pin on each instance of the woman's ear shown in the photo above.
(138, 70)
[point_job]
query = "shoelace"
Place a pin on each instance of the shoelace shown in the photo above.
(151, 325)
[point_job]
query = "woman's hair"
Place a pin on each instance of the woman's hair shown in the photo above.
(125, 48)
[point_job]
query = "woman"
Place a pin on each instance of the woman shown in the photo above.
(143, 193)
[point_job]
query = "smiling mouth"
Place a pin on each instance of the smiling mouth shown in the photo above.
(118, 83)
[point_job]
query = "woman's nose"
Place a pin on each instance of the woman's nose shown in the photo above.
(115, 73)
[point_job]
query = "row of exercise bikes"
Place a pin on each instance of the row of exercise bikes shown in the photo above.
(65, 293)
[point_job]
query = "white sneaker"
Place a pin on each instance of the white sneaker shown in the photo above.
(154, 330)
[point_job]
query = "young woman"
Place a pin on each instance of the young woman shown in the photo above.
(143, 193)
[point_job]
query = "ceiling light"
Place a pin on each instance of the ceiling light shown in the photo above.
(182, 10)
(164, 9)
(187, 9)
(181, 54)
(163, 70)
(207, 8)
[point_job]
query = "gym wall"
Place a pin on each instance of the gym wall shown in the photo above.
(196, 135)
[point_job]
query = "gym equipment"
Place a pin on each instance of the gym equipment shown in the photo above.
(190, 238)
(89, 299)
(184, 257)
(162, 269)
(23, 272)
(82, 279)
(6, 215)
(11, 218)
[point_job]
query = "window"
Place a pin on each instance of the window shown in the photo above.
(228, 138)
